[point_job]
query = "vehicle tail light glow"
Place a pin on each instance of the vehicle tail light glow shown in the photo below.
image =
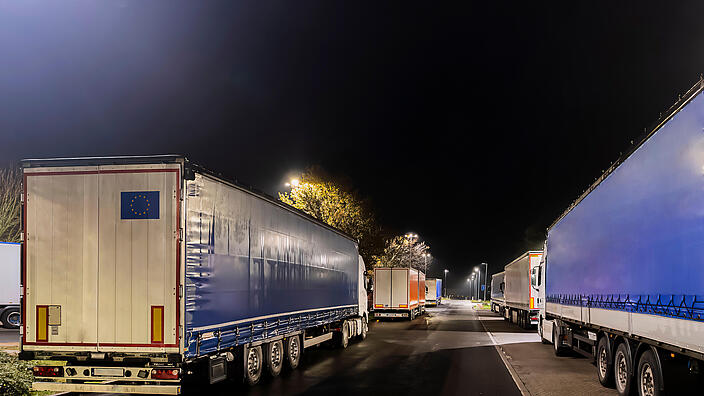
(48, 371)
(378, 306)
(166, 374)
(403, 305)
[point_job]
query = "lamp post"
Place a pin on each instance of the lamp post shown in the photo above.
(410, 237)
(469, 289)
(445, 283)
(425, 261)
(486, 277)
(477, 273)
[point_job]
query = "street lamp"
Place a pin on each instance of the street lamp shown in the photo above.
(293, 183)
(469, 289)
(410, 237)
(486, 276)
(445, 283)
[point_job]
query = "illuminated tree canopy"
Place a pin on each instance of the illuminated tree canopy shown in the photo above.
(326, 200)
(401, 251)
(10, 205)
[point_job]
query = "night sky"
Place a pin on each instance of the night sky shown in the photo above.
(474, 125)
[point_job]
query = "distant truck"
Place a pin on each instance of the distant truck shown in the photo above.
(433, 292)
(622, 279)
(398, 293)
(10, 284)
(520, 294)
(497, 293)
(144, 273)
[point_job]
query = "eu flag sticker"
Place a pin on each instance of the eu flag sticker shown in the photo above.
(137, 205)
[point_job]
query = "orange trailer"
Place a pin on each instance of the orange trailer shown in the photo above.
(398, 292)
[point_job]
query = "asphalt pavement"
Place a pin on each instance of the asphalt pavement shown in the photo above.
(9, 337)
(446, 352)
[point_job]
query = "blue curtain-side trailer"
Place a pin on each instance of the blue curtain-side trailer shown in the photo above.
(622, 280)
(144, 274)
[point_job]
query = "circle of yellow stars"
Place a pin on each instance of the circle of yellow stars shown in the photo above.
(132, 205)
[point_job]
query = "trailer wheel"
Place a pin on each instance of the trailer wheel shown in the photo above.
(649, 381)
(11, 318)
(411, 315)
(253, 365)
(344, 335)
(293, 352)
(623, 367)
(275, 357)
(604, 362)
(557, 348)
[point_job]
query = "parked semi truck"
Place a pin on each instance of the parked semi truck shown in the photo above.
(433, 292)
(398, 293)
(497, 293)
(520, 296)
(10, 284)
(145, 273)
(622, 277)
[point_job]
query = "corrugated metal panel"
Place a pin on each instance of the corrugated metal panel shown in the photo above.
(103, 271)
(248, 259)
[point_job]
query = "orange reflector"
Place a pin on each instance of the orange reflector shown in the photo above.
(403, 306)
(531, 303)
(42, 323)
(157, 324)
(378, 305)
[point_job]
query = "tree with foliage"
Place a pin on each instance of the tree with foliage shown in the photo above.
(404, 251)
(329, 201)
(10, 205)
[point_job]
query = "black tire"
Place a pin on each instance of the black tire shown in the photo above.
(11, 318)
(648, 377)
(344, 335)
(604, 362)
(253, 365)
(623, 370)
(275, 357)
(365, 328)
(556, 343)
(294, 349)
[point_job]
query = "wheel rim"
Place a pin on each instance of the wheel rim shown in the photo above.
(647, 382)
(555, 340)
(621, 372)
(14, 318)
(293, 349)
(275, 354)
(603, 364)
(253, 363)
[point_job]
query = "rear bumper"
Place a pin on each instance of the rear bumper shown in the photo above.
(378, 314)
(107, 388)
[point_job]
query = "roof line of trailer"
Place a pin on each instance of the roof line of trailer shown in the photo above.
(187, 164)
(523, 255)
(262, 195)
(662, 120)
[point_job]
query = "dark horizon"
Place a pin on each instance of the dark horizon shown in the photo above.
(474, 126)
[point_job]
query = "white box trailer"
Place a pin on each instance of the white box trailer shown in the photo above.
(10, 284)
(520, 294)
(142, 272)
(398, 293)
(432, 292)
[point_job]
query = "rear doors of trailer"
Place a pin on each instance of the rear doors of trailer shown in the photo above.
(101, 261)
(395, 288)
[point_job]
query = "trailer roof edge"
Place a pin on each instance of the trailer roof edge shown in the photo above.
(695, 90)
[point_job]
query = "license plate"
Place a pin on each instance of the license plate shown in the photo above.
(108, 372)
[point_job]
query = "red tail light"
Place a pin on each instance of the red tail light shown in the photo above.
(165, 374)
(48, 371)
